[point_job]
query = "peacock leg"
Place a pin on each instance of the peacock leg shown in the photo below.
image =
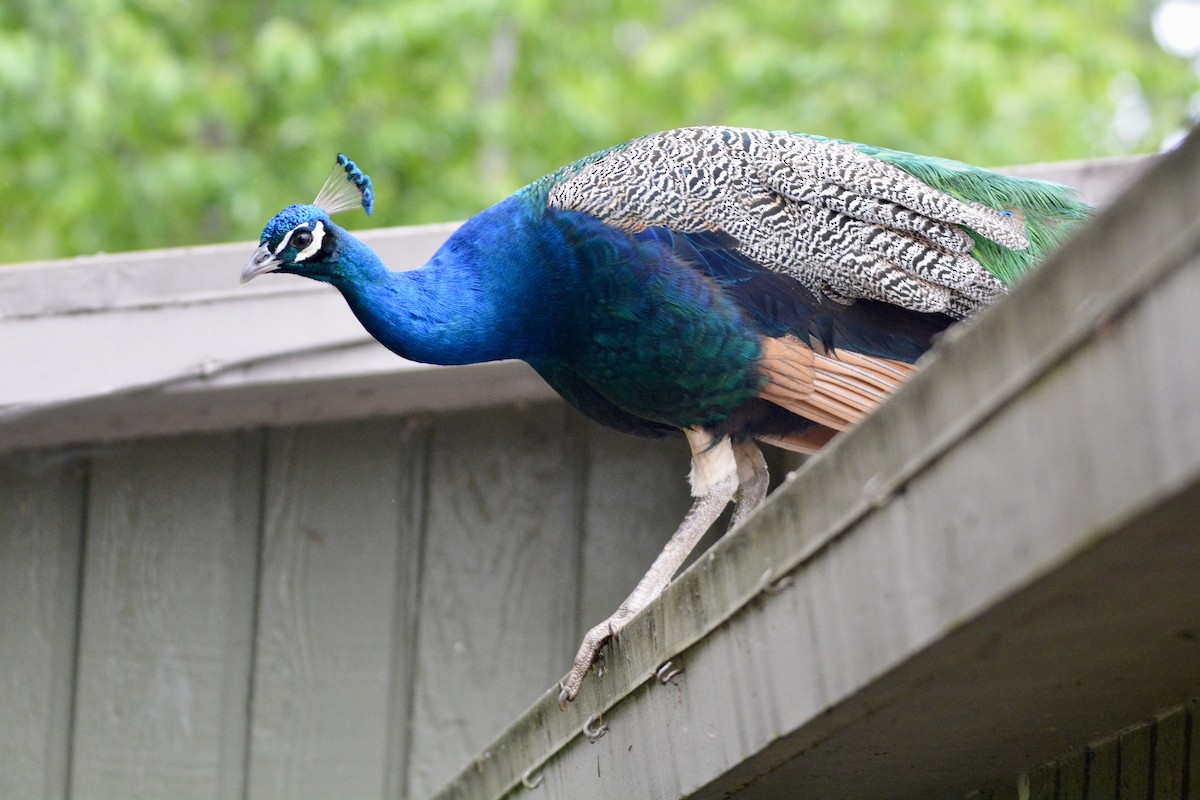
(714, 481)
(753, 480)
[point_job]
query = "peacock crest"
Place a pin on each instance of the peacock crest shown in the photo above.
(346, 187)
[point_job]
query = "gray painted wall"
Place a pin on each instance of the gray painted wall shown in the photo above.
(341, 610)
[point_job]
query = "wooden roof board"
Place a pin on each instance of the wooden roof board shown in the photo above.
(116, 346)
(84, 336)
(996, 567)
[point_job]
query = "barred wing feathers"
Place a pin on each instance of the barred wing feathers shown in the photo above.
(848, 222)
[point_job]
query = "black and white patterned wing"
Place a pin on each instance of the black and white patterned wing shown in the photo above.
(841, 222)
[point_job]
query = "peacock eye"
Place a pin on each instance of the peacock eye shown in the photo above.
(302, 239)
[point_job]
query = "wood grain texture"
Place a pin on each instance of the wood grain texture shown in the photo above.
(166, 619)
(337, 522)
(411, 497)
(41, 523)
(499, 582)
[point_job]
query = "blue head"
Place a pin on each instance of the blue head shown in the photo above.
(301, 240)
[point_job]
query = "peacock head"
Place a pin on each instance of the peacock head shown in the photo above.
(300, 239)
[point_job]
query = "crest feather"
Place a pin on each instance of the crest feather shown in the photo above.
(346, 187)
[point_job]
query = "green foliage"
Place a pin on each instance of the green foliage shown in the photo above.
(151, 123)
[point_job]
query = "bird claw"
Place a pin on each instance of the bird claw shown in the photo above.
(668, 672)
(593, 734)
(589, 654)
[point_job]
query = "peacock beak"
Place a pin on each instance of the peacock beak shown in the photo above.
(262, 261)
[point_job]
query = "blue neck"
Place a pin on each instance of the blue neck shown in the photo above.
(482, 297)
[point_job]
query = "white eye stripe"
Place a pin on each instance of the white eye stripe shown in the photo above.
(283, 244)
(318, 233)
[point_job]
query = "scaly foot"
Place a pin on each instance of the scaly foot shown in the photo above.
(714, 480)
(589, 652)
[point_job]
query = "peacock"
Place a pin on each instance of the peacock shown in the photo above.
(732, 285)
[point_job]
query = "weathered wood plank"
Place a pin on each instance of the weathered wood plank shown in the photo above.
(1103, 780)
(143, 300)
(1041, 784)
(1170, 755)
(260, 395)
(1149, 760)
(1072, 776)
(1136, 763)
(166, 619)
(41, 524)
(1192, 784)
(411, 497)
(339, 535)
(499, 580)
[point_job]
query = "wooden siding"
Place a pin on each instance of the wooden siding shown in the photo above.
(41, 511)
(338, 610)
(1157, 759)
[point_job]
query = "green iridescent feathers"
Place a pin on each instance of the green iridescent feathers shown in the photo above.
(1050, 211)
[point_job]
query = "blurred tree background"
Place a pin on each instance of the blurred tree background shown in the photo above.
(151, 123)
